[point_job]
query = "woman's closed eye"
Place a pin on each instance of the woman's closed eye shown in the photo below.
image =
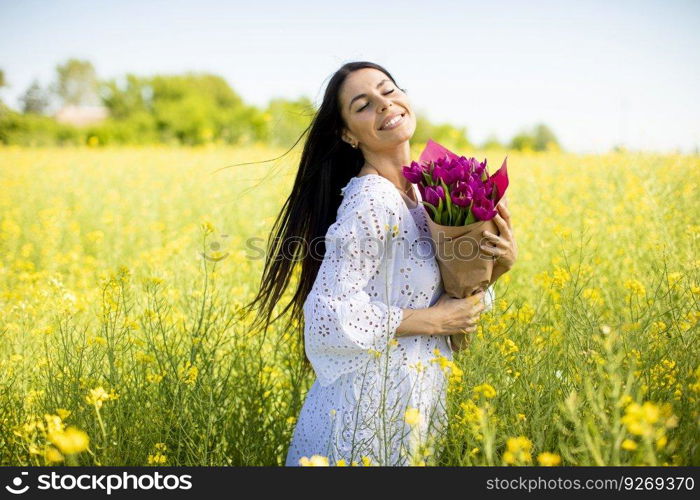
(365, 106)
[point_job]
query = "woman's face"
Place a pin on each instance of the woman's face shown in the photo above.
(368, 117)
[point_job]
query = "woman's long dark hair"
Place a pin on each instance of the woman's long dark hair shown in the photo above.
(327, 164)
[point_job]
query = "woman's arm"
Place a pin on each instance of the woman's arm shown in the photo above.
(343, 323)
(424, 321)
(447, 317)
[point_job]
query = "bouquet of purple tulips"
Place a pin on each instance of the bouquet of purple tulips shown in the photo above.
(460, 197)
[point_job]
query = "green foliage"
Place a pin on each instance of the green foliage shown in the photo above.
(77, 83)
(186, 109)
(540, 138)
(140, 128)
(35, 99)
(191, 109)
(449, 136)
(36, 130)
(523, 142)
(287, 120)
(492, 142)
(132, 97)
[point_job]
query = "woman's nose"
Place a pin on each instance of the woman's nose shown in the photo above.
(386, 104)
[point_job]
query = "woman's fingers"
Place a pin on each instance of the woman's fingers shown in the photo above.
(493, 240)
(475, 313)
(491, 250)
(503, 226)
(499, 244)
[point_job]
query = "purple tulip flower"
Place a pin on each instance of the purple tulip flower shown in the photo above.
(462, 194)
(459, 171)
(483, 209)
(440, 173)
(414, 173)
(476, 187)
(433, 195)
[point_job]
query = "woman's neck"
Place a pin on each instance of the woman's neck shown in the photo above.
(389, 165)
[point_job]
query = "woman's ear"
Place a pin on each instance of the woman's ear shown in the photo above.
(348, 138)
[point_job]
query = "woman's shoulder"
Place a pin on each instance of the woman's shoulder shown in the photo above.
(370, 191)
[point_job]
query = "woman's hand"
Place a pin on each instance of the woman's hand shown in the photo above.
(455, 316)
(503, 247)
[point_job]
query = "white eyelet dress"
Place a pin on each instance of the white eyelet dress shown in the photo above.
(379, 259)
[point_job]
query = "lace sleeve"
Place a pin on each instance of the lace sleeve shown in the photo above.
(342, 320)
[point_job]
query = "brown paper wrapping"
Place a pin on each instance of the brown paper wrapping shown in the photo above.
(464, 268)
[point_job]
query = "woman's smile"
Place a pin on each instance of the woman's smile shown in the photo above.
(392, 122)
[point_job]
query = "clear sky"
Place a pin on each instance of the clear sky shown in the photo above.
(599, 73)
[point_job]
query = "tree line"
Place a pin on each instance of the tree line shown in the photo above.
(187, 109)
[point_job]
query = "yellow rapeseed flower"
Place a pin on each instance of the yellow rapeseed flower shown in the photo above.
(485, 390)
(207, 227)
(52, 455)
(517, 451)
(628, 445)
(98, 395)
(154, 378)
(157, 459)
(471, 413)
(547, 459)
(63, 413)
(635, 286)
(188, 373)
(413, 417)
(374, 352)
(644, 419)
(70, 441)
(314, 461)
(674, 278)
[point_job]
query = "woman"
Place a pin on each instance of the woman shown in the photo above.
(369, 297)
